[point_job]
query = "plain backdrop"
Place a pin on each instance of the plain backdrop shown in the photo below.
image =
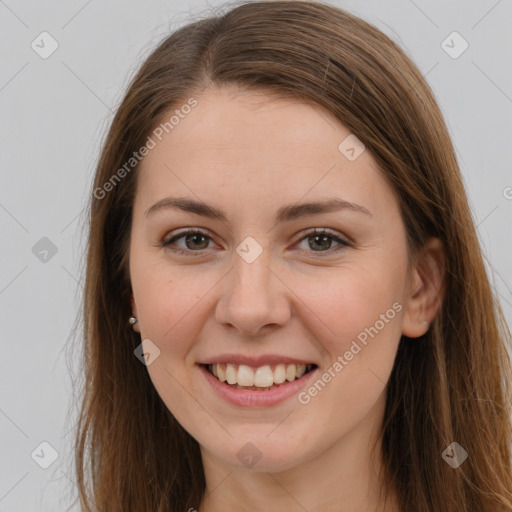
(53, 115)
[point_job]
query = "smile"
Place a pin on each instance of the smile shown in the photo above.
(259, 378)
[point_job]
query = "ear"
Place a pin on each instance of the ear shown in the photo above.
(134, 313)
(426, 290)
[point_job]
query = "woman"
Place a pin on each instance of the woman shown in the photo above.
(333, 342)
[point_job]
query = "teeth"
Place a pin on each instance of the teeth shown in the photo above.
(245, 376)
(279, 374)
(291, 371)
(231, 374)
(261, 377)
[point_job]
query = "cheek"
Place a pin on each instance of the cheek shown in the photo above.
(168, 302)
(352, 299)
(356, 320)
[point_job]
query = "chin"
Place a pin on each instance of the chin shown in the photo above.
(260, 454)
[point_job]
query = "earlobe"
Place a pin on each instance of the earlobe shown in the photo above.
(426, 290)
(134, 319)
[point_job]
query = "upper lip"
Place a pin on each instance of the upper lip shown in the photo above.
(254, 361)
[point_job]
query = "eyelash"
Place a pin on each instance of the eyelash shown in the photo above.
(195, 231)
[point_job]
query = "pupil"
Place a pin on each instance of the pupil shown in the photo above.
(324, 238)
(195, 236)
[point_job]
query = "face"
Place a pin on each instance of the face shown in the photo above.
(255, 285)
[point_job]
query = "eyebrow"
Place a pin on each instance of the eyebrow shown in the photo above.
(284, 214)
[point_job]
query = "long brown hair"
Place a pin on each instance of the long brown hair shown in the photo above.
(452, 385)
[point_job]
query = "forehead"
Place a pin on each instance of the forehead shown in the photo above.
(228, 123)
(260, 146)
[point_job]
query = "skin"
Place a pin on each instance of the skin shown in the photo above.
(249, 154)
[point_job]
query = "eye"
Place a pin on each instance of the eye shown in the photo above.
(196, 241)
(193, 237)
(323, 238)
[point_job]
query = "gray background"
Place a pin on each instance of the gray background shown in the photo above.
(54, 113)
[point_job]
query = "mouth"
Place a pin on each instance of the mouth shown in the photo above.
(261, 378)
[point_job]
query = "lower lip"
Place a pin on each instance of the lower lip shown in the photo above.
(253, 398)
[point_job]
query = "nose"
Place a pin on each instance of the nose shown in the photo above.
(254, 298)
